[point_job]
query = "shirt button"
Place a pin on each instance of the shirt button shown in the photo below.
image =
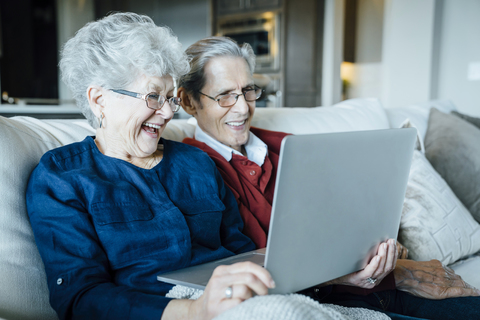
(252, 173)
(243, 163)
(59, 281)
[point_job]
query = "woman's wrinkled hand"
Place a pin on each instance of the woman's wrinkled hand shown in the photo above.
(431, 280)
(228, 287)
(377, 269)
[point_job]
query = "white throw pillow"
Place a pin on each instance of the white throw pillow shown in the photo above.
(418, 114)
(435, 224)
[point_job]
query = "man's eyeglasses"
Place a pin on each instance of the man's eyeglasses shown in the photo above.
(227, 100)
(154, 101)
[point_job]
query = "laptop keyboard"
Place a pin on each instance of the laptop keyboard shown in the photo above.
(257, 258)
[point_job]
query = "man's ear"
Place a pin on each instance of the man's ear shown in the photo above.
(186, 101)
(96, 100)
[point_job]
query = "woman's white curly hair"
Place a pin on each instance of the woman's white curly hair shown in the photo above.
(115, 51)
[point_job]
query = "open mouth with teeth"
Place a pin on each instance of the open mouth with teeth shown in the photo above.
(151, 128)
(236, 123)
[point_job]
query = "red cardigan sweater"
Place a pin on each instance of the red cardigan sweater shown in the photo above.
(253, 188)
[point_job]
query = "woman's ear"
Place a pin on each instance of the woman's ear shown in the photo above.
(186, 102)
(96, 100)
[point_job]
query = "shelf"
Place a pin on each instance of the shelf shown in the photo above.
(42, 111)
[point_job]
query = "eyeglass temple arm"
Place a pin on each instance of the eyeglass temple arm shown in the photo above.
(131, 94)
(216, 100)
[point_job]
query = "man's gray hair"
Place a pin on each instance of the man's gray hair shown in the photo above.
(201, 52)
(115, 51)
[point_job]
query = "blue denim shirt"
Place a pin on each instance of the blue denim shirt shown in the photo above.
(105, 228)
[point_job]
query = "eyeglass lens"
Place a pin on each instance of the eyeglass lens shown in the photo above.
(228, 100)
(155, 101)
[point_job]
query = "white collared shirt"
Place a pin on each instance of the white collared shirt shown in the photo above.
(256, 149)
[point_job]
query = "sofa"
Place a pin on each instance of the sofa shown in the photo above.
(23, 140)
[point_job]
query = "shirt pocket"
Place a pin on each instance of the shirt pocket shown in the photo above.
(128, 231)
(192, 207)
(123, 212)
(203, 217)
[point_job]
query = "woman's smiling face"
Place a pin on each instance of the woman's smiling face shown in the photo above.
(130, 129)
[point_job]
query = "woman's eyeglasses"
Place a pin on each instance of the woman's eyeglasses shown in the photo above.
(227, 100)
(154, 101)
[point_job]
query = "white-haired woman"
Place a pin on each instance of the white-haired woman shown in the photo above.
(111, 212)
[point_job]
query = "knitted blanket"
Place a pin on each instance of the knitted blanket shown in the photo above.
(283, 307)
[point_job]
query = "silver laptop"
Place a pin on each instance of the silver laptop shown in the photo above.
(337, 196)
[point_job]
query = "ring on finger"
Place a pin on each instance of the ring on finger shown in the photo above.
(229, 292)
(371, 280)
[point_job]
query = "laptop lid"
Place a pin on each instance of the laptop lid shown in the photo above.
(337, 196)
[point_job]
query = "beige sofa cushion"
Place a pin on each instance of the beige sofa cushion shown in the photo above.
(452, 145)
(435, 224)
(23, 141)
(23, 288)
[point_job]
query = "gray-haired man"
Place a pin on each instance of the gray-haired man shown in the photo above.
(220, 93)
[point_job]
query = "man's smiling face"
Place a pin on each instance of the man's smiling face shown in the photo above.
(228, 125)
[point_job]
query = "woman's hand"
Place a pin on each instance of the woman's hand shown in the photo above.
(377, 269)
(228, 287)
(431, 280)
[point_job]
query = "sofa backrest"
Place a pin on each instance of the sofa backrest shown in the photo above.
(418, 114)
(23, 140)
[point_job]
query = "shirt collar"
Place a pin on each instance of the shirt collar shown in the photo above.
(256, 149)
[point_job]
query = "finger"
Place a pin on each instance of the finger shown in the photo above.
(391, 255)
(440, 279)
(247, 279)
(242, 292)
(390, 260)
(360, 278)
(247, 267)
(395, 257)
(452, 292)
(404, 253)
(439, 292)
(382, 253)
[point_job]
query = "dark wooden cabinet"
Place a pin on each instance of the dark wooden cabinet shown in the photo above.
(303, 53)
(225, 7)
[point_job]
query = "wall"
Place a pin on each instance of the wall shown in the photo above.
(189, 19)
(407, 51)
(71, 16)
(365, 74)
(459, 46)
(425, 52)
(303, 37)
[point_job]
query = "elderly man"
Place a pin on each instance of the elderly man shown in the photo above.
(220, 93)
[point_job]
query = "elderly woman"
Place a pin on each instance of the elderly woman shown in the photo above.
(111, 212)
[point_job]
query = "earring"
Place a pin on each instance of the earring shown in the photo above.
(101, 120)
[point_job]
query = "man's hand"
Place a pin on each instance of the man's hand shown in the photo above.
(431, 280)
(402, 252)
